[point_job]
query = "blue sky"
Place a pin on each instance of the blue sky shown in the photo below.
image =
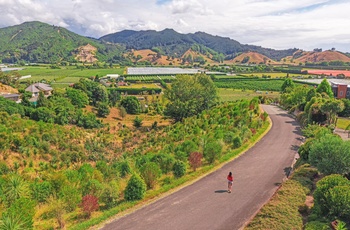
(278, 24)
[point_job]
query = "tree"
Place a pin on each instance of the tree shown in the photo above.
(135, 189)
(212, 150)
(113, 96)
(89, 204)
(325, 87)
(288, 83)
(195, 160)
(102, 109)
(190, 95)
(15, 187)
(131, 105)
(78, 98)
(331, 107)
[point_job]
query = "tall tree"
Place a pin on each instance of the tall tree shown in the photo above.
(190, 95)
(288, 83)
(325, 87)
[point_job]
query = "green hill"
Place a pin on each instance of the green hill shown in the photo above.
(43, 43)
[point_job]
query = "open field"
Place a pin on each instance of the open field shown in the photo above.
(141, 85)
(69, 71)
(342, 122)
(237, 94)
(328, 72)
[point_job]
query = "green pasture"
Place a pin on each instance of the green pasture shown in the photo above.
(69, 71)
(226, 94)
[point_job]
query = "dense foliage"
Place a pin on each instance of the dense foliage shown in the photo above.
(57, 166)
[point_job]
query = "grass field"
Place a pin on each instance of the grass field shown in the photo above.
(236, 94)
(342, 123)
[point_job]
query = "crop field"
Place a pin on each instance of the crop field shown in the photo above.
(141, 85)
(328, 72)
(236, 94)
(273, 75)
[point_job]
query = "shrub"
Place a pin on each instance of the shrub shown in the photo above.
(40, 191)
(237, 142)
(150, 172)
(110, 195)
(179, 169)
(212, 150)
(135, 189)
(89, 204)
(326, 197)
(195, 160)
(165, 161)
(124, 168)
(22, 208)
(71, 196)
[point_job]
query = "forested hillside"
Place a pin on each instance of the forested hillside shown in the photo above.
(43, 43)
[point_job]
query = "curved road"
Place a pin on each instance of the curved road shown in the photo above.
(205, 204)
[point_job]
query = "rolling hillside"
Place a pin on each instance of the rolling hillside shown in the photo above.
(325, 56)
(170, 42)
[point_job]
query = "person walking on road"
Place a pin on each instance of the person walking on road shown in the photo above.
(230, 182)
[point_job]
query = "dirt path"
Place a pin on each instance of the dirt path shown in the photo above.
(206, 204)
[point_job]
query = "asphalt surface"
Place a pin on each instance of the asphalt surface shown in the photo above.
(206, 204)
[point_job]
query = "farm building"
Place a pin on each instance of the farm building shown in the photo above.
(39, 87)
(340, 90)
(12, 96)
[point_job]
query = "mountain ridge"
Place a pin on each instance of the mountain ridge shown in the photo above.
(38, 42)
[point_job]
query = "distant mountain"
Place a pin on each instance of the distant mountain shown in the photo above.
(170, 42)
(43, 43)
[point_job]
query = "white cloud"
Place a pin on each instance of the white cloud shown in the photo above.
(270, 23)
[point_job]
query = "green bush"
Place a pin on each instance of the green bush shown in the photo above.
(135, 189)
(179, 169)
(22, 208)
(328, 195)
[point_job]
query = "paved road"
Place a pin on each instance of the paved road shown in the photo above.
(206, 204)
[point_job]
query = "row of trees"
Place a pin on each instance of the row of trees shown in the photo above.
(314, 105)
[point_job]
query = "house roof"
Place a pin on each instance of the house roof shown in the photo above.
(10, 95)
(37, 87)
